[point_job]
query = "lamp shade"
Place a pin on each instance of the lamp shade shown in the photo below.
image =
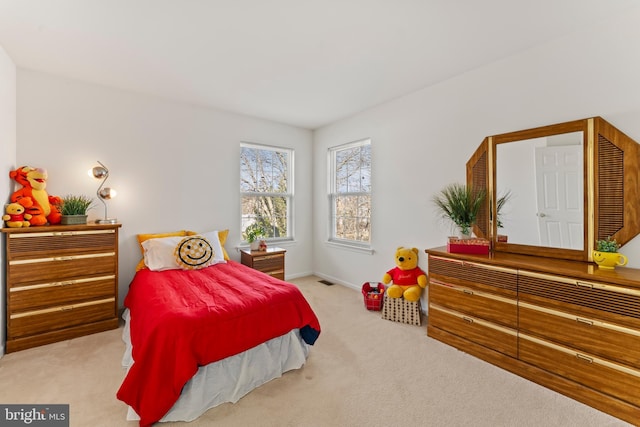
(100, 172)
(107, 193)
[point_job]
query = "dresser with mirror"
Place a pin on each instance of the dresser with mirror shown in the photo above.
(537, 305)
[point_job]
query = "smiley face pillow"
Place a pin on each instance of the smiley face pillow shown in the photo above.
(194, 252)
(183, 252)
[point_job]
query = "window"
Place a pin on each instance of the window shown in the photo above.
(266, 189)
(350, 193)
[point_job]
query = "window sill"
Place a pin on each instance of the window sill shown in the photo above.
(353, 248)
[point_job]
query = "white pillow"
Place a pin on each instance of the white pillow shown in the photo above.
(214, 239)
(159, 252)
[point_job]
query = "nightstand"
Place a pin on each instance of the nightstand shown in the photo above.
(270, 261)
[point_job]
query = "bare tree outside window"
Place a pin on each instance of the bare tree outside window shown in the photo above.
(266, 189)
(351, 192)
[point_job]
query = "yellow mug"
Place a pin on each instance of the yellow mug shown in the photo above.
(609, 260)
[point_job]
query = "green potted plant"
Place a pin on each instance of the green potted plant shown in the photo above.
(74, 209)
(253, 234)
(461, 205)
(607, 245)
(606, 254)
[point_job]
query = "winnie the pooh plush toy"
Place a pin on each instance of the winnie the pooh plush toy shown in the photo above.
(42, 207)
(408, 279)
(15, 217)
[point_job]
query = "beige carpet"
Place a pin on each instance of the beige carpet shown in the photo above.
(363, 371)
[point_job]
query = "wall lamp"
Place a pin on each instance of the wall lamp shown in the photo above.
(106, 193)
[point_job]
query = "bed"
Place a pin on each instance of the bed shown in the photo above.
(196, 338)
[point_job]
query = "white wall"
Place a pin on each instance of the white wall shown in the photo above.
(175, 166)
(7, 160)
(421, 142)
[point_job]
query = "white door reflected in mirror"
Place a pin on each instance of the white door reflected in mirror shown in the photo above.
(545, 178)
(559, 194)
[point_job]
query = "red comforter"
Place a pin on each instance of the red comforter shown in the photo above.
(181, 320)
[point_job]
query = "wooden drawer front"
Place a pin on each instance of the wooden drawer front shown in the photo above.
(27, 298)
(46, 320)
(480, 331)
(60, 268)
(481, 304)
(36, 245)
(600, 338)
(269, 263)
(609, 302)
(474, 275)
(278, 274)
(610, 378)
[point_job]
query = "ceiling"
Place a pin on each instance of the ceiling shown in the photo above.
(301, 62)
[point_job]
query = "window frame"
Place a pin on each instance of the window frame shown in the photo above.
(289, 195)
(333, 194)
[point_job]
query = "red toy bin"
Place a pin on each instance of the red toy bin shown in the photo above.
(373, 293)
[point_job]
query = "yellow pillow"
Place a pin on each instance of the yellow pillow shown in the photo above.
(222, 236)
(143, 237)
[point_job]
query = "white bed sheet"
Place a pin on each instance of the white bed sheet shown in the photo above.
(229, 379)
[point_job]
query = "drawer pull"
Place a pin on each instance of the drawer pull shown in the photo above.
(584, 358)
(66, 308)
(67, 283)
(584, 285)
(584, 321)
(64, 233)
(467, 291)
(467, 319)
(63, 258)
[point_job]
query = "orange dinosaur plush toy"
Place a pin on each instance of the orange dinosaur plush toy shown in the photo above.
(42, 207)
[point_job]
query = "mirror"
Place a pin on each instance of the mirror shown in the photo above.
(545, 171)
(570, 184)
(506, 163)
(541, 181)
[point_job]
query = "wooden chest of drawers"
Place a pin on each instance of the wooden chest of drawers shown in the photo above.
(270, 261)
(566, 325)
(62, 282)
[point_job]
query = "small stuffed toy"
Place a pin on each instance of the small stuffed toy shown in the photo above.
(42, 207)
(15, 217)
(408, 279)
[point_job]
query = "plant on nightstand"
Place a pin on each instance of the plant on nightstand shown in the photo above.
(253, 234)
(74, 209)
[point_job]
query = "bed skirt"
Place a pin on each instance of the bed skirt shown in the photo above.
(229, 379)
